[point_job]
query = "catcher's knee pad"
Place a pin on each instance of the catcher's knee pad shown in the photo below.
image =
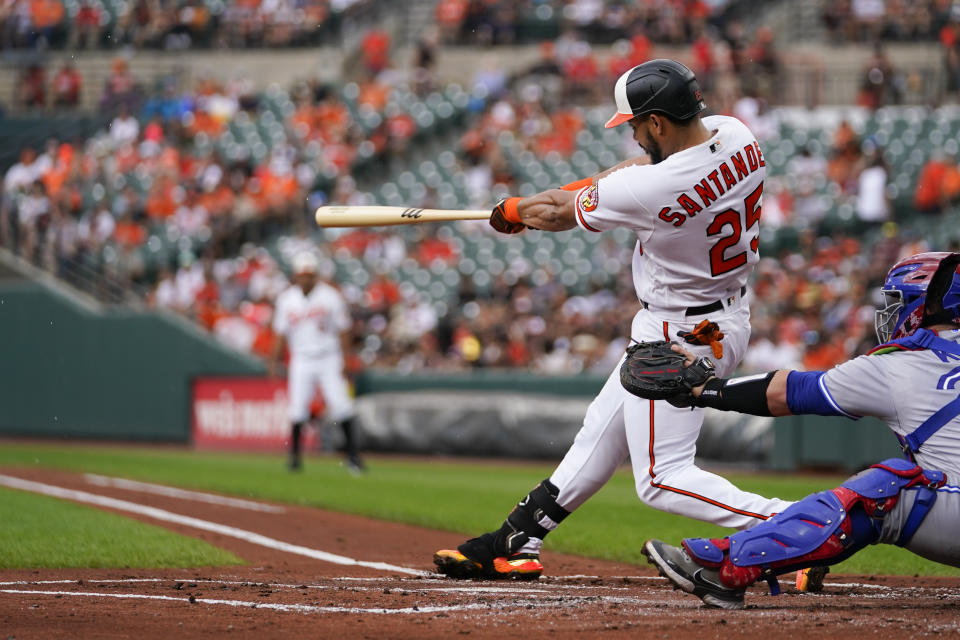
(880, 487)
(823, 528)
(534, 517)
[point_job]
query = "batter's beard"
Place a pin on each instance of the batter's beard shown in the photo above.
(653, 150)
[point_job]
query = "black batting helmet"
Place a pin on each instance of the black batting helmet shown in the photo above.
(665, 86)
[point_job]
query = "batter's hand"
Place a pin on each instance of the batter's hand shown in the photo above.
(504, 217)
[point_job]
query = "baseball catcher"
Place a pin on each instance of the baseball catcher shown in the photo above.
(911, 382)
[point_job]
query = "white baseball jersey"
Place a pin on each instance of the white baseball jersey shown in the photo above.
(695, 215)
(311, 323)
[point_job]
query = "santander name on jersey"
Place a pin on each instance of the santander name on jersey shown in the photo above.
(695, 215)
(744, 162)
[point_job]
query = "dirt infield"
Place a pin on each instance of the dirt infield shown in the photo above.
(304, 580)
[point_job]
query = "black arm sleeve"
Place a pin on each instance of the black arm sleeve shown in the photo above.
(745, 395)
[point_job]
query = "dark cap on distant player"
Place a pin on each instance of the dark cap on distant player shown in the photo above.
(662, 85)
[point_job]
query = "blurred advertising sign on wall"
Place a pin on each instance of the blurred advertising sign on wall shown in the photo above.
(245, 413)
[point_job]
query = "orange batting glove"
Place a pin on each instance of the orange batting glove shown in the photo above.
(505, 218)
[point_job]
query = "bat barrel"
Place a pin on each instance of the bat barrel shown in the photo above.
(375, 216)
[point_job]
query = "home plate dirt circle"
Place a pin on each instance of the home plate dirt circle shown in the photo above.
(282, 593)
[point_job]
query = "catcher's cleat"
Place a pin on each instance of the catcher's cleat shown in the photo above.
(811, 579)
(679, 568)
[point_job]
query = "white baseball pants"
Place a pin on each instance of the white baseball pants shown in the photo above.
(305, 374)
(660, 439)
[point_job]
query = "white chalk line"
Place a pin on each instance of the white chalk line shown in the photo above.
(543, 588)
(197, 523)
(302, 608)
(183, 494)
(540, 588)
(308, 608)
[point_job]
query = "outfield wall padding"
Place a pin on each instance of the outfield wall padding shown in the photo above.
(69, 368)
(73, 369)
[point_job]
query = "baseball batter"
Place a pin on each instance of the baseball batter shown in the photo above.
(910, 383)
(311, 319)
(695, 209)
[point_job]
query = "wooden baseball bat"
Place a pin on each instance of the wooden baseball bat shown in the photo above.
(375, 216)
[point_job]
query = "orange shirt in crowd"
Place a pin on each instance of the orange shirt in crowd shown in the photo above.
(824, 356)
(46, 13)
(332, 116)
(951, 183)
(450, 13)
(373, 95)
(929, 193)
(129, 234)
(264, 342)
(382, 293)
(354, 241)
(401, 126)
(217, 202)
(160, 203)
(376, 49)
(436, 249)
(203, 122)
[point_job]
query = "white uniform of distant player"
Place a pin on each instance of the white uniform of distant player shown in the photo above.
(695, 216)
(312, 325)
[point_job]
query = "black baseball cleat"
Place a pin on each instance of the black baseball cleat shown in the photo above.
(294, 463)
(355, 465)
(675, 565)
(811, 580)
(477, 559)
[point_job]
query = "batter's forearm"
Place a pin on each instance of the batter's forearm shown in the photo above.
(551, 210)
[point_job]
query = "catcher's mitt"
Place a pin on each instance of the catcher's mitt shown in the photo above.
(654, 371)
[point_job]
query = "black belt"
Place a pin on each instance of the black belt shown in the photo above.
(703, 309)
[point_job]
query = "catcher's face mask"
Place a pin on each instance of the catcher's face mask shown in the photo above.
(885, 319)
(905, 291)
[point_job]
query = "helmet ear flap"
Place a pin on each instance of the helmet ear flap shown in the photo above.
(945, 280)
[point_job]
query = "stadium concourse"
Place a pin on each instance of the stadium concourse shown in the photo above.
(197, 193)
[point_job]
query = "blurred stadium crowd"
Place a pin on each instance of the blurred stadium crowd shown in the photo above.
(197, 196)
(169, 24)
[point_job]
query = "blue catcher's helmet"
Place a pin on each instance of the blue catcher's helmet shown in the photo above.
(921, 290)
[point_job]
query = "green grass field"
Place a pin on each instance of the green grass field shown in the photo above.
(461, 497)
(42, 532)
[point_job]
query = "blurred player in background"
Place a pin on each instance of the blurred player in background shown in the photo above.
(910, 383)
(693, 202)
(311, 319)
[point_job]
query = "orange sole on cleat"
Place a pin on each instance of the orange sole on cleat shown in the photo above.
(518, 569)
(454, 564)
(810, 580)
